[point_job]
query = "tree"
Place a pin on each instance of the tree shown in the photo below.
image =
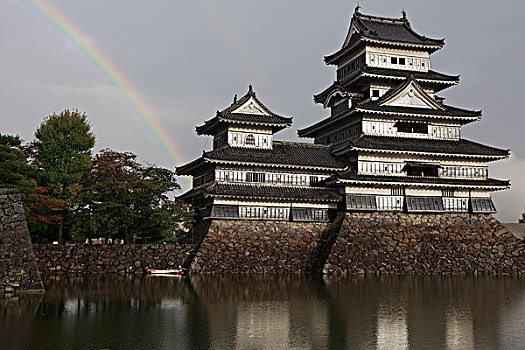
(522, 220)
(126, 199)
(43, 212)
(15, 172)
(63, 155)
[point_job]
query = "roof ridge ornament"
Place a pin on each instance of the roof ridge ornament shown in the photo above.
(250, 90)
(356, 11)
(234, 99)
(404, 15)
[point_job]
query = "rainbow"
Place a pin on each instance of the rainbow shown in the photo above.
(67, 31)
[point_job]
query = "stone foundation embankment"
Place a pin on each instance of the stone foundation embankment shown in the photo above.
(355, 243)
(398, 243)
(18, 270)
(263, 246)
(134, 258)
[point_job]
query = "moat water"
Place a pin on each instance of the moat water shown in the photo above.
(268, 312)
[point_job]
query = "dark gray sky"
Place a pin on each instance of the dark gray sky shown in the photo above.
(186, 59)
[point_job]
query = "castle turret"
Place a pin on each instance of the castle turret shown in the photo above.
(249, 175)
(401, 142)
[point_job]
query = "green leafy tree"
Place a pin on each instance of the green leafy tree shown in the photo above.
(63, 155)
(15, 172)
(522, 220)
(129, 200)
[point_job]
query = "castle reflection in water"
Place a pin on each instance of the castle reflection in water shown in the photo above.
(268, 312)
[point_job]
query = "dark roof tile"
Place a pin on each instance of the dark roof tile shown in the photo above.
(386, 73)
(226, 116)
(388, 30)
(461, 146)
(352, 175)
(260, 191)
(256, 118)
(282, 153)
(449, 111)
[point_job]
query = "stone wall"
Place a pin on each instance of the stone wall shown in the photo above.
(381, 243)
(134, 258)
(264, 246)
(18, 270)
(355, 243)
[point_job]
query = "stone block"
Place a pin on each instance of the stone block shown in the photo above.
(17, 261)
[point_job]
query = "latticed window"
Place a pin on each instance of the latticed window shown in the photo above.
(255, 177)
(397, 191)
(448, 193)
(220, 140)
(250, 140)
(314, 180)
(419, 128)
(422, 171)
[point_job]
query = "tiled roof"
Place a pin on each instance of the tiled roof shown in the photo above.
(226, 115)
(260, 191)
(430, 75)
(460, 114)
(288, 153)
(388, 30)
(283, 153)
(321, 97)
(449, 111)
(256, 118)
(444, 110)
(386, 73)
(461, 146)
(352, 175)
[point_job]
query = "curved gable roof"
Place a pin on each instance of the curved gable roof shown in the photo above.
(395, 31)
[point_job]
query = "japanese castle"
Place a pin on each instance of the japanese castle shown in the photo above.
(390, 143)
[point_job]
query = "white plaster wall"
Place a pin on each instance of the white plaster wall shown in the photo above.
(414, 191)
(238, 139)
(399, 52)
(367, 190)
(392, 157)
(435, 131)
(275, 204)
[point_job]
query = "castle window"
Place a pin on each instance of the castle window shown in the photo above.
(402, 61)
(220, 140)
(448, 193)
(408, 127)
(424, 171)
(375, 93)
(397, 191)
(314, 180)
(250, 140)
(255, 177)
(393, 60)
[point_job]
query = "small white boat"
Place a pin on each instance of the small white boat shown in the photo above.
(172, 272)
